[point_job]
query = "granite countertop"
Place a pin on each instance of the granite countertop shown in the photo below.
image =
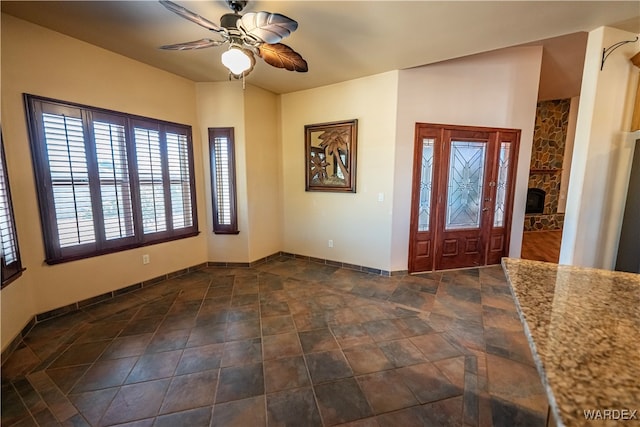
(583, 327)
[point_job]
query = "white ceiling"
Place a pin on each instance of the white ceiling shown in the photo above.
(343, 40)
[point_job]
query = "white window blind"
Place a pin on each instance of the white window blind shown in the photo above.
(223, 190)
(150, 180)
(221, 146)
(109, 181)
(9, 245)
(9, 253)
(178, 160)
(64, 139)
(115, 189)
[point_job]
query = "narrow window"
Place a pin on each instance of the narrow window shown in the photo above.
(109, 181)
(223, 180)
(11, 266)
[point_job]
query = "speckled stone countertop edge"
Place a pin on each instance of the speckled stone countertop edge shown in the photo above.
(553, 405)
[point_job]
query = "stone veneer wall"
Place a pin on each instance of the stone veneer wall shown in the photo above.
(549, 137)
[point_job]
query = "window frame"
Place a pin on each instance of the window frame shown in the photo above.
(218, 226)
(54, 252)
(13, 270)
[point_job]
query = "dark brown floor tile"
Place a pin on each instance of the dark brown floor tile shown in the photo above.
(284, 374)
(342, 401)
(168, 340)
(23, 360)
(180, 321)
(368, 358)
(249, 312)
(419, 300)
(80, 354)
(508, 413)
(453, 369)
(364, 422)
(274, 308)
(135, 402)
(57, 402)
(13, 410)
(434, 347)
(386, 391)
(306, 321)
(102, 331)
(516, 383)
(44, 417)
(370, 313)
(105, 374)
(190, 391)
(402, 352)
(327, 366)
(445, 413)
(154, 366)
(147, 325)
(343, 316)
(93, 404)
(209, 334)
(351, 335)
(413, 416)
(428, 383)
(66, 378)
(509, 344)
(240, 413)
(209, 319)
(128, 346)
(383, 330)
(241, 352)
(239, 300)
(199, 417)
(198, 359)
(240, 382)
(293, 408)
(30, 397)
(242, 330)
(413, 326)
(277, 325)
(317, 340)
(281, 345)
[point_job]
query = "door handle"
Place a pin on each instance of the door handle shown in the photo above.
(485, 209)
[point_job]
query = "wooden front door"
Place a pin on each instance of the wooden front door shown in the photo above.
(462, 196)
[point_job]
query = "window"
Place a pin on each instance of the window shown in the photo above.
(223, 180)
(109, 181)
(11, 266)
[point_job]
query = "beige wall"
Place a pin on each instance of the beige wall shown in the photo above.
(358, 224)
(222, 105)
(263, 159)
(602, 153)
(497, 89)
(42, 62)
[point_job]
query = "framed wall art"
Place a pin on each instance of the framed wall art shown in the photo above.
(330, 156)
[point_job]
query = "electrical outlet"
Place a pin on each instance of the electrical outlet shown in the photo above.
(145, 259)
(330, 243)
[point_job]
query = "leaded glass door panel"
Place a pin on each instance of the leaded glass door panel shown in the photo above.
(462, 196)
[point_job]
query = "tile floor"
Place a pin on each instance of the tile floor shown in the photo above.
(287, 343)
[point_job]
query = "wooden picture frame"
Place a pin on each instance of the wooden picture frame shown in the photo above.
(330, 156)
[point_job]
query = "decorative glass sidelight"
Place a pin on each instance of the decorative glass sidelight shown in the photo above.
(501, 185)
(426, 184)
(465, 186)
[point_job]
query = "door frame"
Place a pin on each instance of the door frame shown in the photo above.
(495, 245)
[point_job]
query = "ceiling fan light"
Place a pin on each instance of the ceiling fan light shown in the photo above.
(236, 61)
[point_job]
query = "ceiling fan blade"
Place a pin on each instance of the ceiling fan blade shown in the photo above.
(196, 44)
(282, 56)
(193, 17)
(266, 27)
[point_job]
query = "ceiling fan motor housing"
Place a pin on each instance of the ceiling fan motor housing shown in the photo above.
(236, 6)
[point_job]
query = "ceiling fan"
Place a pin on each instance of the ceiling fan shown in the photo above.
(254, 33)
